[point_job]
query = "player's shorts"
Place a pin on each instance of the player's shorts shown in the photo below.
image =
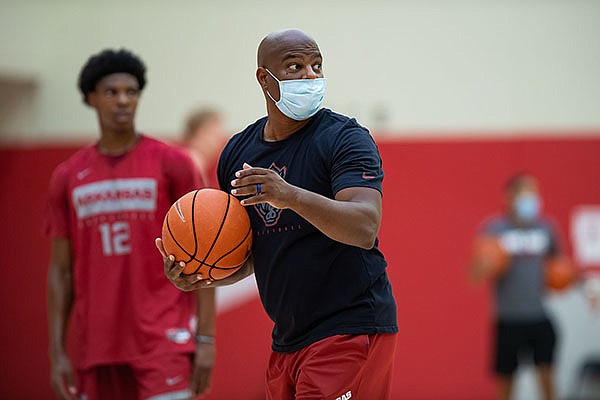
(166, 377)
(336, 368)
(516, 339)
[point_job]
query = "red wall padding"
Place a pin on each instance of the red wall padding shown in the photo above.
(436, 194)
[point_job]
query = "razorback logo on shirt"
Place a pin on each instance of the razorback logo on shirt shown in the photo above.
(523, 242)
(115, 195)
(268, 213)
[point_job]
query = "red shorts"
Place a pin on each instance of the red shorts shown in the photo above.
(163, 378)
(336, 368)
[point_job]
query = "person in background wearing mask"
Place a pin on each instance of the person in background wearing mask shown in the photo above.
(311, 180)
(204, 138)
(522, 324)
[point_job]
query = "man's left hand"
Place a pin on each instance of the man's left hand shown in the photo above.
(273, 188)
(202, 369)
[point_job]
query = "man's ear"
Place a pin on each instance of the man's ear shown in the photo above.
(90, 99)
(261, 77)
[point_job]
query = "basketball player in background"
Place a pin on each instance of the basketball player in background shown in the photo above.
(204, 138)
(311, 180)
(136, 332)
(522, 324)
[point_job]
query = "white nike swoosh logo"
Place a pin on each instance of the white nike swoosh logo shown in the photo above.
(365, 176)
(174, 380)
(178, 209)
(83, 174)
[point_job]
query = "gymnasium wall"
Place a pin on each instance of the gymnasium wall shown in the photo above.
(397, 65)
(436, 194)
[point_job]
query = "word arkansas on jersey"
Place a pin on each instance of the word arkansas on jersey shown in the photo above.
(115, 195)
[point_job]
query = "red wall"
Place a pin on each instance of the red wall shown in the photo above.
(436, 193)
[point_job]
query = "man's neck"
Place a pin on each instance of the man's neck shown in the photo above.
(518, 222)
(117, 143)
(280, 127)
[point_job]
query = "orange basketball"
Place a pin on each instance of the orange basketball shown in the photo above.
(560, 273)
(487, 250)
(210, 231)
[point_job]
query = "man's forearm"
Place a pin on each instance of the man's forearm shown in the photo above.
(246, 270)
(205, 311)
(350, 222)
(352, 218)
(60, 303)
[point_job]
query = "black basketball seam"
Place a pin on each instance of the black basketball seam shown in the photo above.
(214, 266)
(216, 236)
(210, 275)
(226, 254)
(235, 248)
(177, 243)
(194, 225)
(210, 270)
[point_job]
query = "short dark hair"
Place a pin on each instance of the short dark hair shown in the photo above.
(110, 62)
(515, 182)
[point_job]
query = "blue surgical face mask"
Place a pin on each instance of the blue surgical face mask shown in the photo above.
(299, 99)
(527, 207)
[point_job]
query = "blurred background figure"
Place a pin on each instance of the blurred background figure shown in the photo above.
(520, 251)
(204, 136)
(138, 337)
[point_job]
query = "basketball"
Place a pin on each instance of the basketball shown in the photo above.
(210, 231)
(487, 250)
(560, 273)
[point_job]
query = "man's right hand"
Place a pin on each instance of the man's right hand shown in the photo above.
(61, 377)
(173, 271)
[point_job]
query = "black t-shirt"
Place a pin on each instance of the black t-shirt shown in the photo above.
(311, 286)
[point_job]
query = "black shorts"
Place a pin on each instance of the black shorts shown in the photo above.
(517, 339)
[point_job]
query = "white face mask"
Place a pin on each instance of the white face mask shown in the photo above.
(299, 99)
(527, 206)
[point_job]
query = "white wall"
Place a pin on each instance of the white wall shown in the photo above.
(396, 65)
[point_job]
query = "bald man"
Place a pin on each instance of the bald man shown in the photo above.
(311, 181)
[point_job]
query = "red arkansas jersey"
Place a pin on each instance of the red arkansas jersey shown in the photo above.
(111, 209)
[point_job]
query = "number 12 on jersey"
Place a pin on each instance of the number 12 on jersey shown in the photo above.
(115, 238)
